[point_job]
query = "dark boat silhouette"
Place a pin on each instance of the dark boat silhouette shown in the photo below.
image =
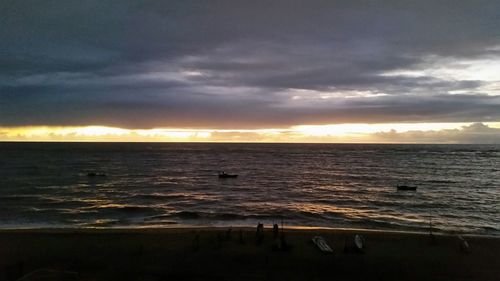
(406, 187)
(94, 174)
(224, 175)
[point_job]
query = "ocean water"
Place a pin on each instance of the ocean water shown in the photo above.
(323, 185)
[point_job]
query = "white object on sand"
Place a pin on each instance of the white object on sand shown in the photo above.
(464, 245)
(320, 242)
(359, 241)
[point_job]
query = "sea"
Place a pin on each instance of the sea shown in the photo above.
(46, 185)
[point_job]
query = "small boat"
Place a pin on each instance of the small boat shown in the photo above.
(406, 187)
(94, 174)
(359, 241)
(320, 242)
(224, 175)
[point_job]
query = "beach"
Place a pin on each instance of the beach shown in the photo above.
(219, 254)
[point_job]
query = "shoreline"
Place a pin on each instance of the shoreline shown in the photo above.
(185, 228)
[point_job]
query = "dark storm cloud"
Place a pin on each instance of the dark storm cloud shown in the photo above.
(239, 64)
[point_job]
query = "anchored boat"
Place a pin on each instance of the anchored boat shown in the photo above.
(224, 175)
(406, 187)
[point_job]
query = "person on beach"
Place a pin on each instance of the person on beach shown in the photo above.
(259, 235)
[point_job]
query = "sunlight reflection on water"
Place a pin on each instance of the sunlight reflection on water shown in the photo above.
(307, 185)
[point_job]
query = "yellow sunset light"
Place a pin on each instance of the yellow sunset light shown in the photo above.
(97, 131)
(301, 133)
(357, 129)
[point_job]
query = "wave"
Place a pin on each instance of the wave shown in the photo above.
(327, 185)
(213, 216)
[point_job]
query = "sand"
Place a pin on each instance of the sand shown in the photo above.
(212, 254)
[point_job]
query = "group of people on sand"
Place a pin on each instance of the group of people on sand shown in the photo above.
(279, 241)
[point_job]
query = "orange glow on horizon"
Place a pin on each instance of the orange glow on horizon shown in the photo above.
(362, 133)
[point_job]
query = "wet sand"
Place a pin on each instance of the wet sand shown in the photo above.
(213, 254)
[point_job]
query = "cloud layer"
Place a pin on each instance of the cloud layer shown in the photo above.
(475, 133)
(247, 64)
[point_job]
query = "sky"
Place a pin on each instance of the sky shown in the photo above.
(285, 71)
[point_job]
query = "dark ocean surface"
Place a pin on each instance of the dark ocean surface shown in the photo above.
(325, 185)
